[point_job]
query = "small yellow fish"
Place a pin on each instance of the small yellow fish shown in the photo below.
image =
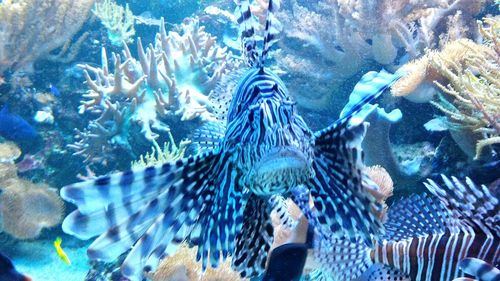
(60, 252)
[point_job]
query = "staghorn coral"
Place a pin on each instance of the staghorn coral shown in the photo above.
(182, 266)
(328, 43)
(170, 81)
(27, 208)
(30, 29)
(118, 21)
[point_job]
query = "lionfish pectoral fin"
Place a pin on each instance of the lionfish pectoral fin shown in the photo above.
(471, 202)
(148, 210)
(379, 272)
(254, 240)
(219, 223)
(208, 137)
(341, 200)
(342, 258)
(418, 215)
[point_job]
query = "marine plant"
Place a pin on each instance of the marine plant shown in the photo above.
(169, 82)
(31, 29)
(118, 21)
(170, 152)
(183, 266)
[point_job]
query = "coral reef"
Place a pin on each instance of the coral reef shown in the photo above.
(170, 81)
(30, 29)
(26, 208)
(328, 43)
(9, 152)
(384, 181)
(118, 21)
(182, 266)
(465, 76)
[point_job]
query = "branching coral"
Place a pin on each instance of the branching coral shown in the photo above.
(170, 80)
(328, 43)
(118, 21)
(30, 29)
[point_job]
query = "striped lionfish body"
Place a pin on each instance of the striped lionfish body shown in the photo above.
(219, 200)
(431, 238)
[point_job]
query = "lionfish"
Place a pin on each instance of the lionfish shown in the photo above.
(219, 200)
(427, 238)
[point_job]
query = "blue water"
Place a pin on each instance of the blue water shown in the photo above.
(60, 106)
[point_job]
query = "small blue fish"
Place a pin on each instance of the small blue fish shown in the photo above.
(8, 272)
(13, 127)
(54, 90)
(219, 200)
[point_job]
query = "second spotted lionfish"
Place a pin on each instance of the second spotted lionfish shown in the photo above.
(427, 238)
(219, 200)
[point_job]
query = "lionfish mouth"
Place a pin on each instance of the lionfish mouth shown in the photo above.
(280, 169)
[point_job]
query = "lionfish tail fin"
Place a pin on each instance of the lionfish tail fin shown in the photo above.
(480, 269)
(342, 258)
(148, 210)
(248, 26)
(468, 202)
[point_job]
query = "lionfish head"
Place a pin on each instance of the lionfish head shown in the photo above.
(276, 151)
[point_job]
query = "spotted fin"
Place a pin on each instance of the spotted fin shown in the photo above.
(342, 202)
(254, 240)
(149, 210)
(480, 269)
(341, 258)
(222, 220)
(279, 205)
(416, 216)
(208, 137)
(379, 272)
(468, 202)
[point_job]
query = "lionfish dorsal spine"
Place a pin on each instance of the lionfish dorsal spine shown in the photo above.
(248, 27)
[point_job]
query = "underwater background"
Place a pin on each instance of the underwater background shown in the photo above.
(72, 109)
